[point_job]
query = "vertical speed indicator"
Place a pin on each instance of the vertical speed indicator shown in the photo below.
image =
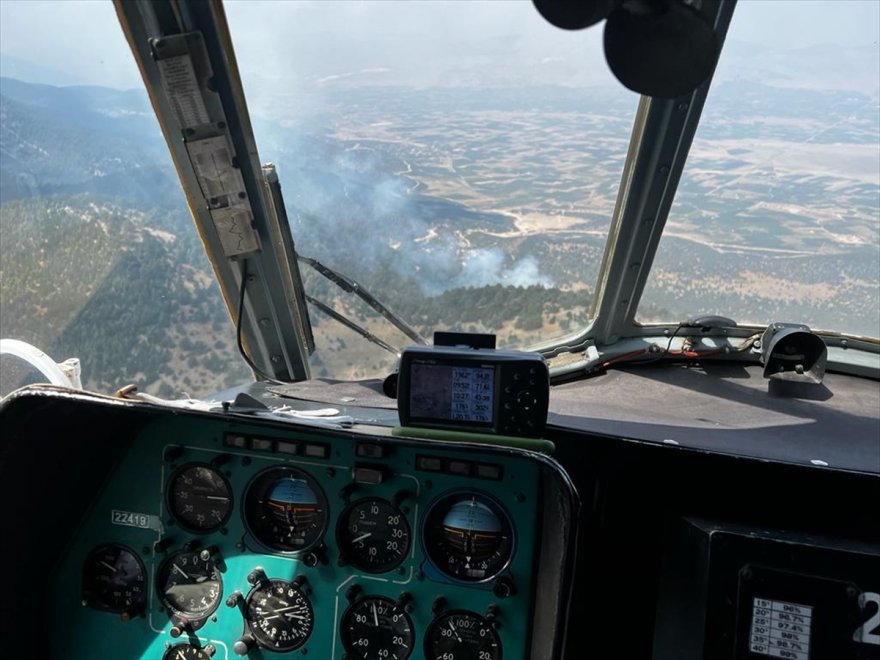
(373, 535)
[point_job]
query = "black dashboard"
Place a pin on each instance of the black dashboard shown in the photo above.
(685, 513)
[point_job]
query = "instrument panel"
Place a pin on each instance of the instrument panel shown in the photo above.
(218, 539)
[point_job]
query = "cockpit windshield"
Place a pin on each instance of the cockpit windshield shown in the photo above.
(777, 216)
(461, 161)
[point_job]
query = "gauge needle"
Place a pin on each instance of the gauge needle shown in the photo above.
(104, 563)
(375, 616)
(180, 570)
(362, 537)
(289, 615)
(181, 656)
(217, 497)
(454, 631)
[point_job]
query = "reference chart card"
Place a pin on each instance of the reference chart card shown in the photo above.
(780, 629)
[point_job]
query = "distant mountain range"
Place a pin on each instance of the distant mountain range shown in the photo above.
(97, 140)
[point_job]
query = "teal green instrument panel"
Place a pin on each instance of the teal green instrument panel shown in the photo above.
(240, 538)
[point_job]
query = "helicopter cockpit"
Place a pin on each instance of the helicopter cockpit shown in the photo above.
(522, 364)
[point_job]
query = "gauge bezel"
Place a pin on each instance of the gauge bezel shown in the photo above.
(195, 619)
(258, 633)
(343, 630)
(169, 502)
(342, 533)
(436, 621)
(497, 507)
(284, 470)
(169, 652)
(143, 572)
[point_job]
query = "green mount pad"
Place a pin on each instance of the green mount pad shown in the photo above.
(531, 444)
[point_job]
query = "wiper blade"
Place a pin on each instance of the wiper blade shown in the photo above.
(366, 334)
(349, 285)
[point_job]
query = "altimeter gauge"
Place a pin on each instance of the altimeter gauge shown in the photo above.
(189, 585)
(279, 615)
(373, 535)
(376, 627)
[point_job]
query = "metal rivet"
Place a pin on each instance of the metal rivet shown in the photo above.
(276, 359)
(264, 322)
(664, 169)
(683, 106)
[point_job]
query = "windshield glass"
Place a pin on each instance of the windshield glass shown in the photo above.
(777, 217)
(99, 258)
(459, 161)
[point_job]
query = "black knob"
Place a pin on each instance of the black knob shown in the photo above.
(243, 645)
(504, 588)
(176, 631)
(352, 593)
(234, 599)
(438, 605)
(346, 491)
(403, 600)
(492, 612)
(189, 546)
(398, 497)
(163, 545)
(172, 454)
(210, 649)
(311, 559)
(256, 575)
(301, 583)
(219, 461)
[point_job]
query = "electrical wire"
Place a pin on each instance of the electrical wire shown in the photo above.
(247, 358)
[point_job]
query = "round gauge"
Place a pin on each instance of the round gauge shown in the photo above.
(285, 509)
(462, 635)
(373, 535)
(199, 498)
(186, 652)
(189, 585)
(114, 580)
(279, 615)
(468, 536)
(377, 628)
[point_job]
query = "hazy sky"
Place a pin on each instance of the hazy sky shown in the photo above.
(79, 41)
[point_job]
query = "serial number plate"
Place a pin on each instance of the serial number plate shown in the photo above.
(130, 519)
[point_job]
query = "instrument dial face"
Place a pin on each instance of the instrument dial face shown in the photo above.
(376, 628)
(462, 635)
(279, 615)
(468, 536)
(199, 498)
(285, 510)
(185, 652)
(114, 580)
(189, 585)
(373, 535)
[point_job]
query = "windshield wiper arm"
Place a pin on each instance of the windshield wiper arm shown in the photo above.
(349, 285)
(366, 334)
